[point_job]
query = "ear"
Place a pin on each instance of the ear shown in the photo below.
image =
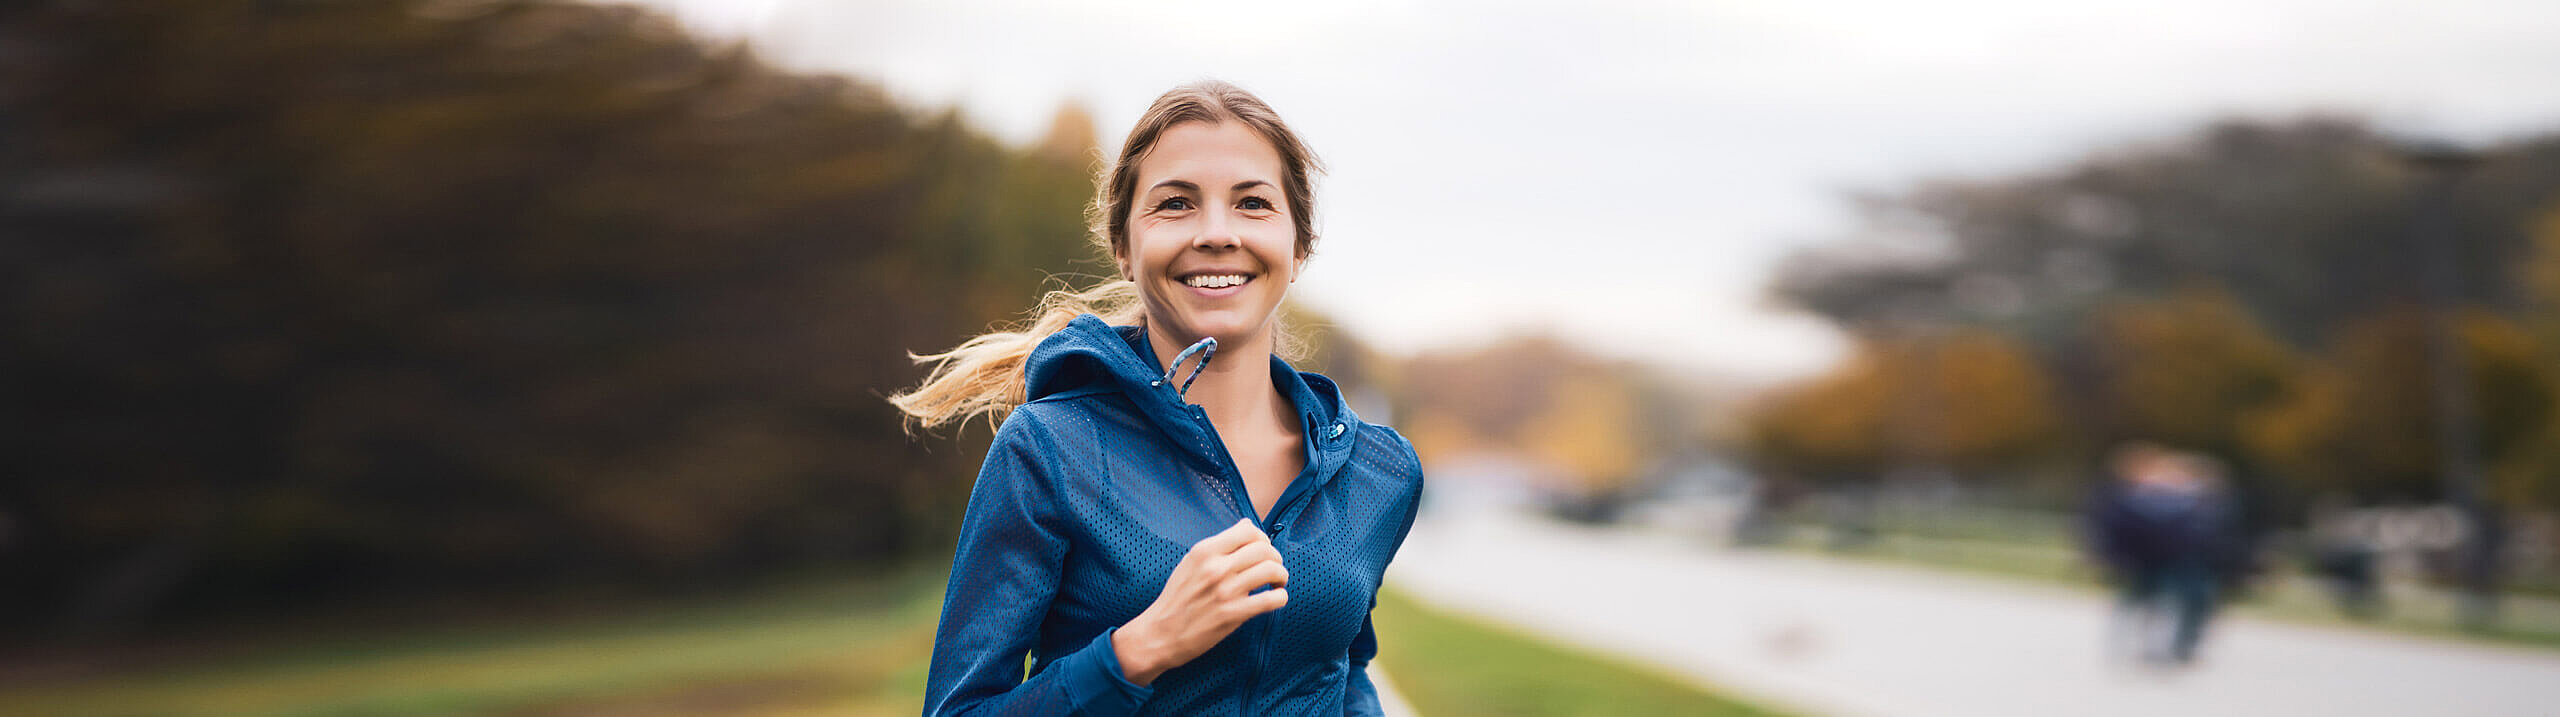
(1122, 259)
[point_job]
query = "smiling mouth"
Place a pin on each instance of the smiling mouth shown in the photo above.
(1216, 281)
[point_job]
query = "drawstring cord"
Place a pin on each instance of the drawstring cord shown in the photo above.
(1207, 348)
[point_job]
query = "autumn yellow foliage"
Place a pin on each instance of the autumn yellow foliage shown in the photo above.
(1968, 399)
(2366, 423)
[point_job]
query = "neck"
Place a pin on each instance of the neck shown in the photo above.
(1235, 390)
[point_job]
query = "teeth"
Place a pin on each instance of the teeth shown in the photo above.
(1215, 281)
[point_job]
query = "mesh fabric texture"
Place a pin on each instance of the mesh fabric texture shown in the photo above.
(1092, 492)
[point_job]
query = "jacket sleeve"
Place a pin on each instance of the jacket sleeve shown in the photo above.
(1003, 578)
(2104, 530)
(1359, 694)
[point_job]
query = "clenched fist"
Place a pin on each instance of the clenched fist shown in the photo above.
(1210, 593)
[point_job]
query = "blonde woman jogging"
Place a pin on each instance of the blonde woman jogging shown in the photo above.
(1171, 520)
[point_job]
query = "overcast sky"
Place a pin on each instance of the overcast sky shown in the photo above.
(1626, 174)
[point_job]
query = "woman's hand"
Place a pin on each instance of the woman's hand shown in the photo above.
(1208, 595)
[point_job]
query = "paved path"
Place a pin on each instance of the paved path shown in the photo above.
(1832, 637)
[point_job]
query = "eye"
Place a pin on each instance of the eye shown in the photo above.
(1174, 204)
(1256, 204)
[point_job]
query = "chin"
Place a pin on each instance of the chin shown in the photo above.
(1228, 329)
(1231, 319)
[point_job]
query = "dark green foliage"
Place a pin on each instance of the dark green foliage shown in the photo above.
(313, 299)
(2306, 223)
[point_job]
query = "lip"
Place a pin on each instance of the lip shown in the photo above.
(1184, 280)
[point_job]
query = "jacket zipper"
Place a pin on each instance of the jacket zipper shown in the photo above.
(1242, 500)
(1280, 517)
(1212, 444)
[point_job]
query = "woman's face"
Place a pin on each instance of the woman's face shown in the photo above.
(1211, 244)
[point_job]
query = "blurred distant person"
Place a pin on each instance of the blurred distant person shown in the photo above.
(1161, 541)
(2161, 528)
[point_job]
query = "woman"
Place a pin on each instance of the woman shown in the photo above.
(1171, 519)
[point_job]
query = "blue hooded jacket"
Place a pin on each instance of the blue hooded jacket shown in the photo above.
(1099, 484)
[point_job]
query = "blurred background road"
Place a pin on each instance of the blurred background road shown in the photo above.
(1834, 637)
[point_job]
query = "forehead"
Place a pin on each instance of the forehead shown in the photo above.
(1209, 155)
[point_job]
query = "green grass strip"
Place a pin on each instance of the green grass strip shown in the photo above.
(838, 644)
(837, 648)
(1447, 665)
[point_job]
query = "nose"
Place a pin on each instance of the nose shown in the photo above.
(1215, 234)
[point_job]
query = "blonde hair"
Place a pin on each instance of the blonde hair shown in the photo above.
(983, 376)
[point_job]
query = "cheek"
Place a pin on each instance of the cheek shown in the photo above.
(1280, 250)
(1144, 253)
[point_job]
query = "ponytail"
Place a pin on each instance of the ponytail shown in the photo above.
(983, 377)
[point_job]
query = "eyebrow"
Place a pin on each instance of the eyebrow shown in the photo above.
(1186, 185)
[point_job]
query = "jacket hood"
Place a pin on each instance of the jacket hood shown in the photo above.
(1090, 357)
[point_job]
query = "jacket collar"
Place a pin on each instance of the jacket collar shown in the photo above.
(1089, 357)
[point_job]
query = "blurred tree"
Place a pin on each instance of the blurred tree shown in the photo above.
(308, 299)
(1999, 401)
(2187, 369)
(2532, 476)
(1972, 401)
(2304, 223)
(1829, 428)
(1489, 393)
(1589, 434)
(1071, 139)
(1440, 437)
(2540, 274)
(2360, 424)
(2168, 287)
(1593, 426)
